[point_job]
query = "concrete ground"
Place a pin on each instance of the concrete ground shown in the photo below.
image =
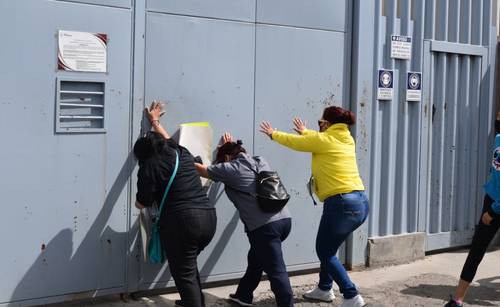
(427, 282)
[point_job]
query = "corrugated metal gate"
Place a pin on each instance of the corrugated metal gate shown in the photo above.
(454, 75)
(428, 159)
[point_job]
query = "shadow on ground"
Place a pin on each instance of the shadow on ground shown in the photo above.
(487, 293)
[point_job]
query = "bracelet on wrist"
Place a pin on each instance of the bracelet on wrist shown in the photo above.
(157, 121)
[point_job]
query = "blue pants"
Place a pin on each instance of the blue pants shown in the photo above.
(265, 255)
(342, 214)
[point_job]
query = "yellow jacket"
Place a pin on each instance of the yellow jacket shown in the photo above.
(334, 165)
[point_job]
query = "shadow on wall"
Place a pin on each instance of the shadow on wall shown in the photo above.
(214, 194)
(58, 270)
(98, 262)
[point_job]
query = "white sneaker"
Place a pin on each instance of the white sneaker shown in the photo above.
(320, 295)
(356, 301)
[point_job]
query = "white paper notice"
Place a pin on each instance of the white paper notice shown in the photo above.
(197, 138)
(82, 51)
(400, 47)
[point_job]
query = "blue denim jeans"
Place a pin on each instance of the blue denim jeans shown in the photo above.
(265, 255)
(342, 214)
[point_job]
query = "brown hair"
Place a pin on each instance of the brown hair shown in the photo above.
(230, 149)
(337, 115)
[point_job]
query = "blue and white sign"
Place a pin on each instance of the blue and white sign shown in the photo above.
(400, 47)
(385, 86)
(413, 86)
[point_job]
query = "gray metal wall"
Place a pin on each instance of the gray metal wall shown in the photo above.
(65, 196)
(424, 162)
(69, 221)
(234, 64)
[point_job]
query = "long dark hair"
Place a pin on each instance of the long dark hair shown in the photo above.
(148, 146)
(337, 115)
(230, 149)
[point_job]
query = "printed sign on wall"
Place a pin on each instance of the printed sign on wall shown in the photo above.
(82, 51)
(413, 86)
(400, 47)
(385, 84)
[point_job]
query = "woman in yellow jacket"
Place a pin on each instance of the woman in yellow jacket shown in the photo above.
(338, 185)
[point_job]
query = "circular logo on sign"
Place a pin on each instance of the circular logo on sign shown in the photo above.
(385, 79)
(414, 81)
(496, 159)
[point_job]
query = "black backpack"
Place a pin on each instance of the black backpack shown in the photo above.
(271, 193)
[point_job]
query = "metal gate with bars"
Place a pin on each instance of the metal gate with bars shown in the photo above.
(454, 75)
(424, 162)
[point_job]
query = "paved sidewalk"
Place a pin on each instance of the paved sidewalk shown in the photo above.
(427, 282)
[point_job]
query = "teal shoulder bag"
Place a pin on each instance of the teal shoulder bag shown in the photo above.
(155, 251)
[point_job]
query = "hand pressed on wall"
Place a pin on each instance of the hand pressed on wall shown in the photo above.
(155, 110)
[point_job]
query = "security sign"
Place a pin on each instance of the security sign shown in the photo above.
(385, 84)
(400, 47)
(413, 86)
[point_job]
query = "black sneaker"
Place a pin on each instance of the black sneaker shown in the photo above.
(239, 301)
(452, 303)
(179, 303)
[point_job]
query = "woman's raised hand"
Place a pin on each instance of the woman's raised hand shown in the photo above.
(225, 138)
(299, 125)
(267, 129)
(155, 110)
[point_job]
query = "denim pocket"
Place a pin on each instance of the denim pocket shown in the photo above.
(352, 212)
(353, 209)
(353, 205)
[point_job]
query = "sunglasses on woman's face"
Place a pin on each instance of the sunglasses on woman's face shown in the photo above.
(322, 122)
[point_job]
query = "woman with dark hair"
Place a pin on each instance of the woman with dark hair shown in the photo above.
(187, 221)
(266, 231)
(337, 183)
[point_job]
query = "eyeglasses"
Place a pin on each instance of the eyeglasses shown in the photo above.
(322, 122)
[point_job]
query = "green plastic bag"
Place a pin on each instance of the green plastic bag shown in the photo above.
(156, 253)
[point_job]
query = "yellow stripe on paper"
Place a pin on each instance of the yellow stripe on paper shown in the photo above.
(196, 124)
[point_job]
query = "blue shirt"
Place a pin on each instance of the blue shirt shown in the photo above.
(492, 186)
